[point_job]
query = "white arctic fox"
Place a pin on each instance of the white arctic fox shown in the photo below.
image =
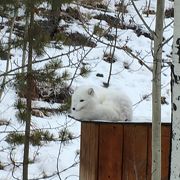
(97, 103)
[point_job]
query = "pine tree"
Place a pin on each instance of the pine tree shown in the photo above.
(55, 17)
(29, 94)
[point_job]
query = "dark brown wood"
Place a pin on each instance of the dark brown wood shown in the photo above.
(149, 153)
(135, 152)
(89, 151)
(121, 151)
(166, 138)
(110, 151)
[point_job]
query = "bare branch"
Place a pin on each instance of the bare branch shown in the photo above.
(144, 22)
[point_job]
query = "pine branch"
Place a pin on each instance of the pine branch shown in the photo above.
(39, 61)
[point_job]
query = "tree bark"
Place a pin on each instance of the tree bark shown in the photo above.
(25, 42)
(175, 85)
(29, 97)
(156, 93)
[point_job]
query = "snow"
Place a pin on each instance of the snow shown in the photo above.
(136, 81)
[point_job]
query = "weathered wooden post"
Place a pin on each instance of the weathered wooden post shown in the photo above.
(120, 151)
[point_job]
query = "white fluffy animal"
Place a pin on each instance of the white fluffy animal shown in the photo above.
(97, 103)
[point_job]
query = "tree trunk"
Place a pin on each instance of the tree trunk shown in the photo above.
(29, 98)
(156, 93)
(175, 85)
(25, 42)
(54, 18)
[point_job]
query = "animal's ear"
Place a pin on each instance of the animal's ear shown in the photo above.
(91, 91)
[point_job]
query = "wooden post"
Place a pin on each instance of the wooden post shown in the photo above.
(89, 151)
(120, 151)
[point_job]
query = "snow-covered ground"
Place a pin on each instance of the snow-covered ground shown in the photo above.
(136, 81)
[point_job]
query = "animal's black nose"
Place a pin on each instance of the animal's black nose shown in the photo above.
(73, 109)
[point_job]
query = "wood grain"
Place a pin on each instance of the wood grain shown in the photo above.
(135, 152)
(89, 151)
(110, 152)
(121, 151)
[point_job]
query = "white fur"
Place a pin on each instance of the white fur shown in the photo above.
(99, 103)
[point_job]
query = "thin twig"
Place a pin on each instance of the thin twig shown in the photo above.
(144, 22)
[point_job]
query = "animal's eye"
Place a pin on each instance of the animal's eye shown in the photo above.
(82, 100)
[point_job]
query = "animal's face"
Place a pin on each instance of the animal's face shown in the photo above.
(81, 99)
